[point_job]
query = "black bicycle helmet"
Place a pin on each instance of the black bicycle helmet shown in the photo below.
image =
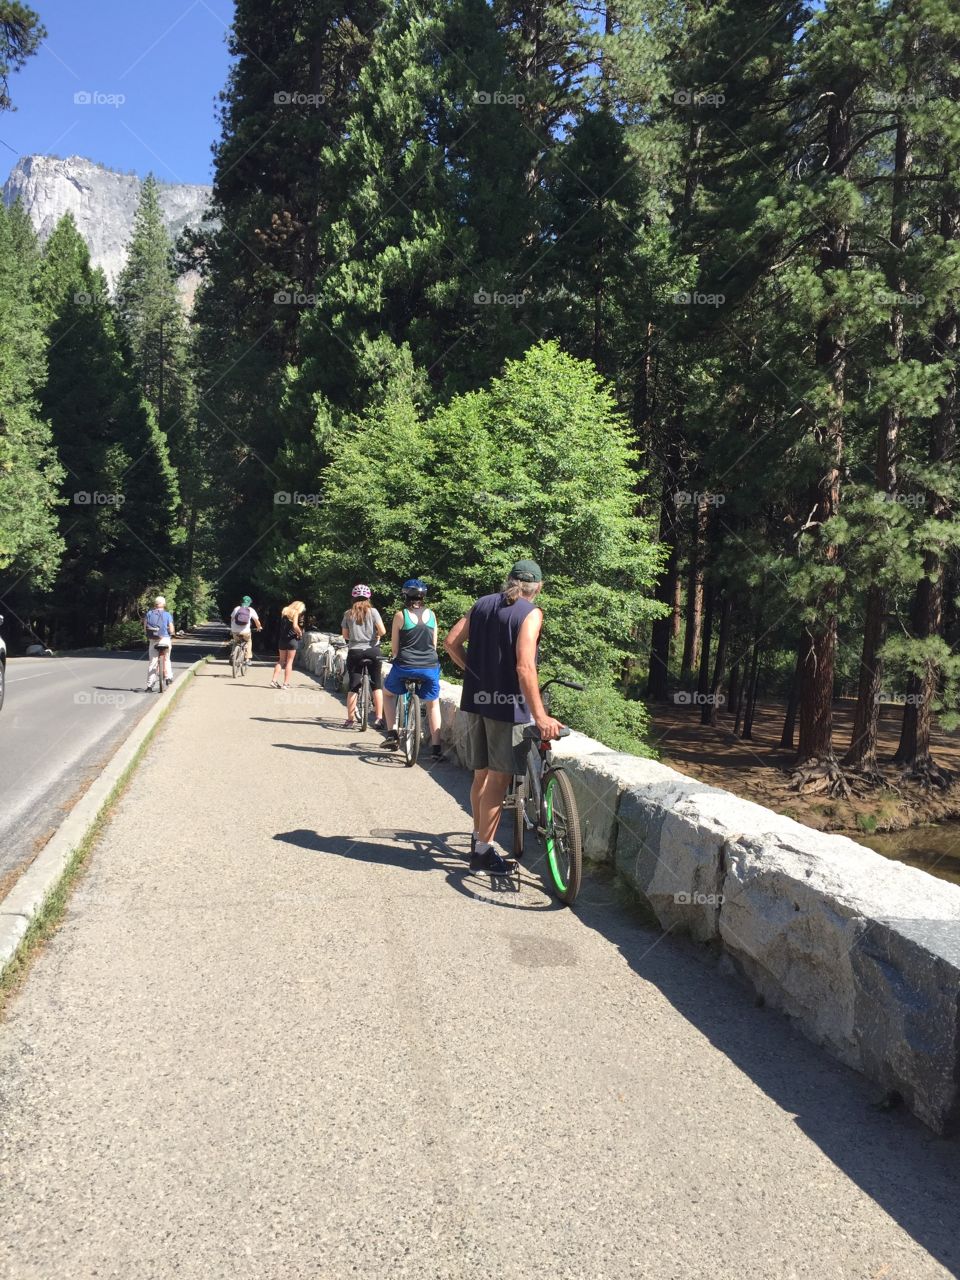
(413, 587)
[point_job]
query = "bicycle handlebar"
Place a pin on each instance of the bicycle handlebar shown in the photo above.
(531, 731)
(567, 684)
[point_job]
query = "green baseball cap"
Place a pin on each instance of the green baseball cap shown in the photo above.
(246, 600)
(526, 571)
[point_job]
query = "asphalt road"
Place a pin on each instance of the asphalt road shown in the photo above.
(283, 1032)
(62, 720)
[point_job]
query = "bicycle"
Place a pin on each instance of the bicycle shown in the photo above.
(364, 694)
(543, 800)
(407, 721)
(339, 664)
(238, 656)
(161, 659)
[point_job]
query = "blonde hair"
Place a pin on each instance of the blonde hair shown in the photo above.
(293, 611)
(359, 611)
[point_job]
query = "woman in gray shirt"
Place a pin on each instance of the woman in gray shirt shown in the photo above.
(362, 628)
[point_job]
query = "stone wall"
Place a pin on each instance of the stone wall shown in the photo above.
(861, 952)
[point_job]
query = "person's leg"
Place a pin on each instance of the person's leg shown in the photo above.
(167, 664)
(249, 639)
(476, 791)
(290, 654)
(489, 804)
(275, 678)
(152, 665)
(433, 720)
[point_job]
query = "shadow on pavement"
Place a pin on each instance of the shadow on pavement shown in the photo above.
(906, 1169)
(423, 851)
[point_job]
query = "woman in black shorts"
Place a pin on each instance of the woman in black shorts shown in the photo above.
(363, 629)
(291, 630)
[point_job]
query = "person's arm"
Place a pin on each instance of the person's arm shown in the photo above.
(395, 635)
(381, 629)
(434, 628)
(171, 629)
(455, 639)
(344, 632)
(527, 675)
(256, 619)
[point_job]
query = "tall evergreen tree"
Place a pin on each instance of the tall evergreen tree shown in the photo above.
(30, 474)
(120, 489)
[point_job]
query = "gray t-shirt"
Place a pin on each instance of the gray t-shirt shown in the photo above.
(361, 636)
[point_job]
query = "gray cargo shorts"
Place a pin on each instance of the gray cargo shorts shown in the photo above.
(491, 744)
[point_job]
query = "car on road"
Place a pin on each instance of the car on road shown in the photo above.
(3, 665)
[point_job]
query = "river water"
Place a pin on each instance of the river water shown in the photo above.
(935, 848)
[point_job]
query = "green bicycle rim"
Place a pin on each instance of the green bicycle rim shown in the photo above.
(552, 862)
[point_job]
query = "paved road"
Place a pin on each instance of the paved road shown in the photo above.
(62, 719)
(284, 1033)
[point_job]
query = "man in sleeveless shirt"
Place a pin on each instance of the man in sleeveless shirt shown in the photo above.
(495, 645)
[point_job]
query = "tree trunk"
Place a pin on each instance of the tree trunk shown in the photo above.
(691, 638)
(752, 695)
(862, 754)
(703, 676)
(913, 751)
(709, 710)
(735, 693)
(793, 701)
(817, 671)
(658, 681)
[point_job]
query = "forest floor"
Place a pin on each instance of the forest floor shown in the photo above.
(759, 770)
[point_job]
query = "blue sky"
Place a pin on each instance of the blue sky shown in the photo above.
(154, 69)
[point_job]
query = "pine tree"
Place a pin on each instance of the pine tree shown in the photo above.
(30, 474)
(120, 520)
(20, 35)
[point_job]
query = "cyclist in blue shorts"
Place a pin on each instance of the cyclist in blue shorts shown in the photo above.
(414, 653)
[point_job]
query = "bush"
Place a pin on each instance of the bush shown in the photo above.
(124, 635)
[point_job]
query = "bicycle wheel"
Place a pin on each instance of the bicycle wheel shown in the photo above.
(161, 671)
(411, 739)
(564, 842)
(236, 661)
(364, 700)
(515, 796)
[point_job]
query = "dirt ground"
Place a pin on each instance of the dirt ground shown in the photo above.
(759, 770)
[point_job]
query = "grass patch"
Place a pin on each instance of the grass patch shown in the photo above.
(48, 919)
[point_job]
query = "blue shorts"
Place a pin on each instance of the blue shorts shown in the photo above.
(429, 678)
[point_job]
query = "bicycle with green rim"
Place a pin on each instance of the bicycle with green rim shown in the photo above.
(543, 801)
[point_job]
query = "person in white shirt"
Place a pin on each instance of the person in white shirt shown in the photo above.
(242, 619)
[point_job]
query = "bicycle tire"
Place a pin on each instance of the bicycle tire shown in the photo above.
(411, 740)
(519, 826)
(236, 662)
(562, 835)
(161, 671)
(364, 700)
